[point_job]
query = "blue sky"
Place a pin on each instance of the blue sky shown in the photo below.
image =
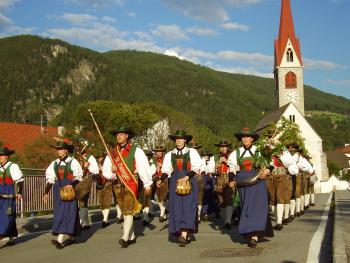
(228, 35)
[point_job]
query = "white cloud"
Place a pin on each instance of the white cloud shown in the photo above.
(97, 3)
(244, 71)
(321, 64)
(242, 3)
(251, 58)
(173, 53)
(234, 26)
(131, 14)
(143, 35)
(207, 10)
(108, 19)
(78, 19)
(5, 4)
(344, 82)
(200, 31)
(5, 21)
(169, 32)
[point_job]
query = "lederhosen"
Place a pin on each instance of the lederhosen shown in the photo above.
(145, 199)
(296, 180)
(104, 191)
(224, 191)
(124, 197)
(254, 220)
(65, 213)
(182, 208)
(162, 190)
(8, 226)
(304, 182)
(83, 188)
(277, 183)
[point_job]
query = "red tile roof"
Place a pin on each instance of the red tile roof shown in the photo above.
(286, 32)
(345, 149)
(17, 135)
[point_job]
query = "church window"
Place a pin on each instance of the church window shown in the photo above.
(291, 80)
(292, 118)
(289, 55)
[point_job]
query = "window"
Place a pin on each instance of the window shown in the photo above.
(289, 55)
(292, 118)
(291, 80)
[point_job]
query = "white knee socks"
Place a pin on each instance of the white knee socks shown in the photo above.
(292, 207)
(279, 213)
(286, 211)
(105, 213)
(60, 238)
(312, 198)
(307, 199)
(127, 227)
(302, 203)
(119, 211)
(162, 208)
(145, 214)
(199, 212)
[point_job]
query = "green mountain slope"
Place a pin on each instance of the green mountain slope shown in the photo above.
(45, 76)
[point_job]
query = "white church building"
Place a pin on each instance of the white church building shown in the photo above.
(289, 79)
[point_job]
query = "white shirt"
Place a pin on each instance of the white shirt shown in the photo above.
(195, 159)
(209, 165)
(142, 168)
(16, 173)
(304, 165)
(153, 167)
(93, 166)
(289, 162)
(233, 158)
(75, 166)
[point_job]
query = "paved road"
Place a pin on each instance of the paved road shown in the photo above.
(212, 245)
(342, 241)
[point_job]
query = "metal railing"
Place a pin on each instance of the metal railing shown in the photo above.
(33, 191)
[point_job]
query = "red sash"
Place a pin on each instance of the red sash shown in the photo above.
(124, 174)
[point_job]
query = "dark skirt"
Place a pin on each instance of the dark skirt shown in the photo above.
(210, 204)
(254, 208)
(8, 227)
(182, 208)
(65, 213)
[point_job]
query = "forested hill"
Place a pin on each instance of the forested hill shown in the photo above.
(46, 76)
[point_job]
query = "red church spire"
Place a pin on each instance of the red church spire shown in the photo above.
(286, 32)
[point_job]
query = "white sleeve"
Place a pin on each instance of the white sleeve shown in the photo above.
(167, 166)
(50, 173)
(232, 162)
(93, 167)
(153, 168)
(16, 173)
(107, 169)
(196, 161)
(211, 165)
(77, 170)
(203, 166)
(286, 159)
(293, 169)
(303, 164)
(143, 168)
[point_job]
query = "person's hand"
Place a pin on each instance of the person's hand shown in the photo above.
(18, 196)
(232, 184)
(148, 191)
(264, 173)
(86, 164)
(45, 198)
(159, 182)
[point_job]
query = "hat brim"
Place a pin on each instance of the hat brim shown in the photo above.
(159, 150)
(61, 147)
(223, 145)
(130, 133)
(239, 135)
(7, 153)
(174, 137)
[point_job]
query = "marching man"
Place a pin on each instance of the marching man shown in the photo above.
(11, 187)
(129, 161)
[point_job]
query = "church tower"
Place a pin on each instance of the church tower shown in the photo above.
(288, 69)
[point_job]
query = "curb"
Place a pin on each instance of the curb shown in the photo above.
(339, 253)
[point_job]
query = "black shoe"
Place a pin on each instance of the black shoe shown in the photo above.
(137, 217)
(105, 224)
(285, 222)
(124, 243)
(182, 241)
(312, 204)
(57, 244)
(227, 226)
(307, 207)
(172, 238)
(145, 223)
(119, 220)
(131, 242)
(10, 243)
(302, 212)
(252, 243)
(291, 218)
(279, 227)
(190, 238)
(217, 215)
(235, 222)
(86, 227)
(162, 219)
(69, 242)
(298, 214)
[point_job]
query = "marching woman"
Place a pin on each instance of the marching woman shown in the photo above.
(181, 165)
(11, 177)
(254, 222)
(64, 174)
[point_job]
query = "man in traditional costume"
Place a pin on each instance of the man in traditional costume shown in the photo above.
(306, 170)
(146, 198)
(83, 189)
(224, 190)
(200, 180)
(11, 188)
(209, 197)
(182, 164)
(254, 221)
(64, 172)
(160, 187)
(129, 162)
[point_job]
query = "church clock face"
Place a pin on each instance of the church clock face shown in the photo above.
(291, 96)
